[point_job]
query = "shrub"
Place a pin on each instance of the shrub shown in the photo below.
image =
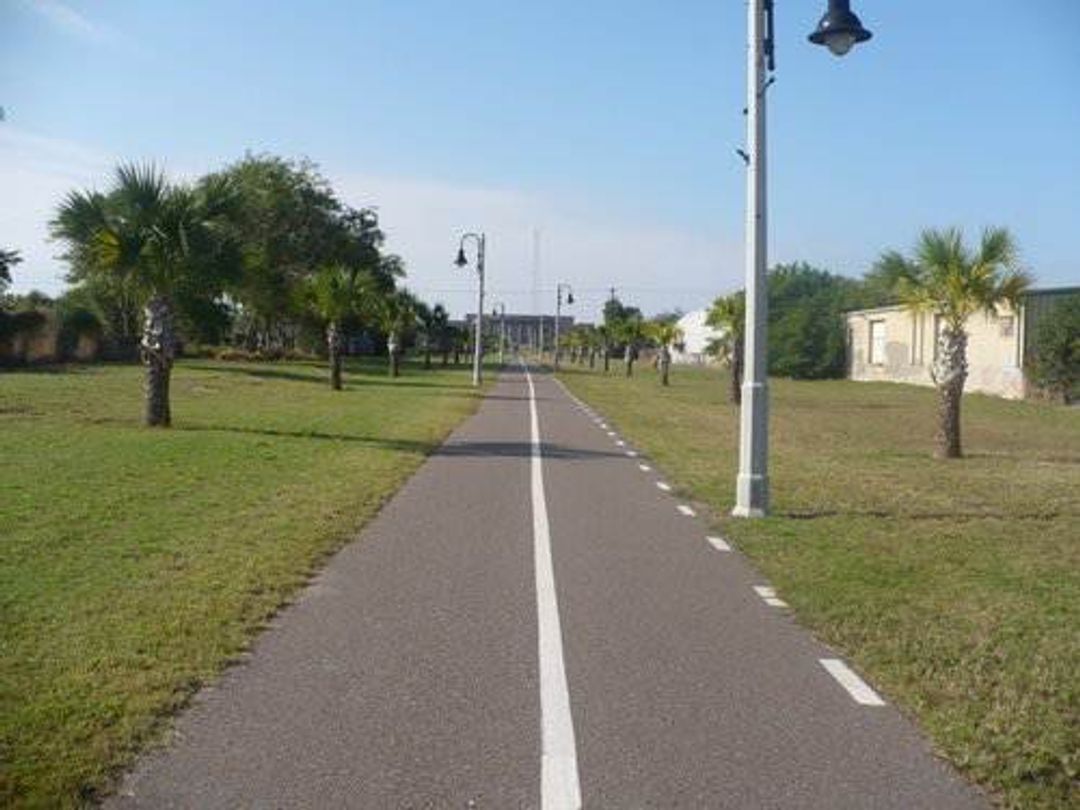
(1054, 362)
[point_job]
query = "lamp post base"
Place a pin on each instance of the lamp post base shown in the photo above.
(751, 497)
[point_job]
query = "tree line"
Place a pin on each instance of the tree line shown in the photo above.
(262, 256)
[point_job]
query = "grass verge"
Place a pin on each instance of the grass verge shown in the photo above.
(135, 564)
(954, 585)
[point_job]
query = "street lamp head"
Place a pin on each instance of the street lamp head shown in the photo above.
(839, 29)
(569, 298)
(461, 261)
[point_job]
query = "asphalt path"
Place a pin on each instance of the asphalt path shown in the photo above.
(534, 621)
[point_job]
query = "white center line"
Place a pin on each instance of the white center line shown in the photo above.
(603, 425)
(663, 486)
(620, 443)
(559, 785)
(686, 510)
(719, 543)
(856, 686)
(632, 453)
(612, 433)
(644, 467)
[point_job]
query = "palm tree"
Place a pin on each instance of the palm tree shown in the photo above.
(335, 293)
(945, 278)
(163, 241)
(631, 331)
(728, 316)
(397, 317)
(604, 336)
(665, 334)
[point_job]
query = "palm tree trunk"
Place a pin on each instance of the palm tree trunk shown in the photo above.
(333, 347)
(607, 360)
(665, 366)
(592, 359)
(629, 362)
(950, 373)
(393, 349)
(427, 357)
(158, 347)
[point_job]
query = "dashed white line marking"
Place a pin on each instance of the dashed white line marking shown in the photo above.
(663, 486)
(644, 467)
(560, 787)
(632, 453)
(603, 425)
(686, 510)
(856, 686)
(769, 596)
(612, 433)
(718, 543)
(620, 443)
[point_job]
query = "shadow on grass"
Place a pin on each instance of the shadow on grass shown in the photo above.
(899, 514)
(519, 450)
(449, 449)
(353, 378)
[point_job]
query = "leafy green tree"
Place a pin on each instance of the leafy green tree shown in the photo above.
(728, 316)
(8, 259)
(1054, 361)
(291, 224)
(164, 241)
(947, 279)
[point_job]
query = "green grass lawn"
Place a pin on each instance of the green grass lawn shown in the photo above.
(135, 564)
(954, 585)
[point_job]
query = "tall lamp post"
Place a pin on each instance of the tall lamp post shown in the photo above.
(558, 314)
(838, 30)
(462, 261)
(500, 311)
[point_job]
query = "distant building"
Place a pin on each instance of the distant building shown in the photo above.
(696, 337)
(893, 344)
(524, 331)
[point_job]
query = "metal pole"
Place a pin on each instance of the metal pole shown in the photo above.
(558, 311)
(752, 487)
(502, 337)
(479, 339)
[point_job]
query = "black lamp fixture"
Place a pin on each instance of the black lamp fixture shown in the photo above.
(461, 261)
(569, 298)
(839, 29)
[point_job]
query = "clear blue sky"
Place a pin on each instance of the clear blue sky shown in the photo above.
(609, 124)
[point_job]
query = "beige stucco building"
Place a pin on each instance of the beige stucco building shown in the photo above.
(893, 344)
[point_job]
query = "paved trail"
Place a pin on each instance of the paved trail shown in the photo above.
(533, 622)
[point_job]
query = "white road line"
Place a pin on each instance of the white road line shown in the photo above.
(856, 686)
(769, 596)
(603, 425)
(612, 433)
(644, 467)
(620, 443)
(686, 510)
(718, 543)
(560, 788)
(632, 453)
(663, 486)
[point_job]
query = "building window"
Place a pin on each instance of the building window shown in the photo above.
(1006, 325)
(877, 343)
